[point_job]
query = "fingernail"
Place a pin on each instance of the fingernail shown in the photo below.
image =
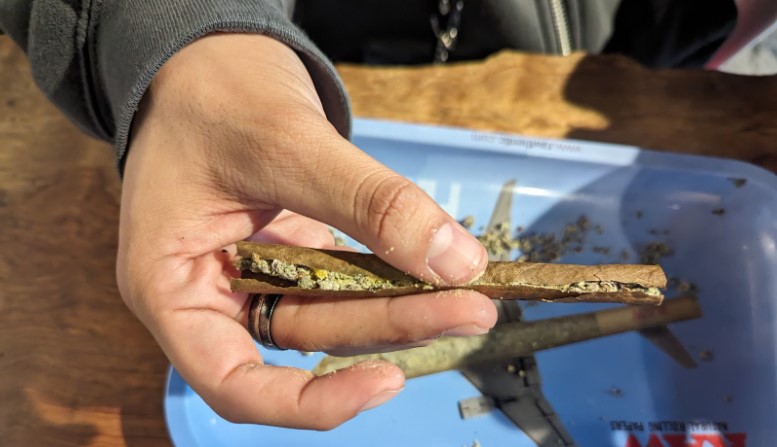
(454, 255)
(379, 399)
(465, 330)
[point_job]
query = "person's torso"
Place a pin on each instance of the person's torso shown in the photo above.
(661, 33)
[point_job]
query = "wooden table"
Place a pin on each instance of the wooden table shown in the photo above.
(77, 369)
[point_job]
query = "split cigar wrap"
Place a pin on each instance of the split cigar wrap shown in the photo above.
(280, 269)
(289, 270)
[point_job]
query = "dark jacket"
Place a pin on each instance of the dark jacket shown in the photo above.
(658, 33)
(94, 59)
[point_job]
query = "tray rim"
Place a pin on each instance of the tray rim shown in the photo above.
(591, 151)
(605, 153)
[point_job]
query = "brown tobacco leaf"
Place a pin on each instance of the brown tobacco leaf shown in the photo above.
(269, 268)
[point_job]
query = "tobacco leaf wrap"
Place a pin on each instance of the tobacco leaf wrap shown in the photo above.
(622, 283)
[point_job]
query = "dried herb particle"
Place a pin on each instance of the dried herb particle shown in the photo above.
(499, 240)
(547, 247)
(307, 278)
(615, 392)
(468, 221)
(654, 251)
(681, 285)
(339, 239)
(601, 250)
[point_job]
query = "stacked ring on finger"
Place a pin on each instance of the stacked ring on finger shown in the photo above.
(260, 319)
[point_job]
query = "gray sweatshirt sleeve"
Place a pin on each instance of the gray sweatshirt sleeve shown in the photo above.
(94, 59)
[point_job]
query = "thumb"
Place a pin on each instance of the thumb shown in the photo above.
(393, 217)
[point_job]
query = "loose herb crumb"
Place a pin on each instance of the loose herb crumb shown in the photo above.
(546, 247)
(615, 392)
(499, 240)
(467, 222)
(681, 285)
(654, 251)
(608, 286)
(339, 239)
(601, 250)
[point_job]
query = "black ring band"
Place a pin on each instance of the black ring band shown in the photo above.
(260, 319)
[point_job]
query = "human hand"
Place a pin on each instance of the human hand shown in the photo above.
(230, 134)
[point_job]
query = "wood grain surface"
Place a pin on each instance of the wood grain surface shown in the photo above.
(77, 369)
(598, 98)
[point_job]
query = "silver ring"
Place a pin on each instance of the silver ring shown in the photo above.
(260, 319)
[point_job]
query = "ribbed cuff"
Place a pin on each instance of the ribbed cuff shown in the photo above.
(136, 37)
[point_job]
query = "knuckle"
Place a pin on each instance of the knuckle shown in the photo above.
(289, 339)
(286, 150)
(294, 320)
(400, 329)
(382, 203)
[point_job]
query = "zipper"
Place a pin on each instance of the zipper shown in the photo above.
(449, 11)
(558, 13)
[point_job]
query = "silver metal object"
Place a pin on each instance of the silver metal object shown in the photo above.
(514, 385)
(260, 319)
(475, 406)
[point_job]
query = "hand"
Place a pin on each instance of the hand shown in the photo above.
(229, 134)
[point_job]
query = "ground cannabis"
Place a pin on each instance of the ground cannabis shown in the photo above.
(309, 278)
